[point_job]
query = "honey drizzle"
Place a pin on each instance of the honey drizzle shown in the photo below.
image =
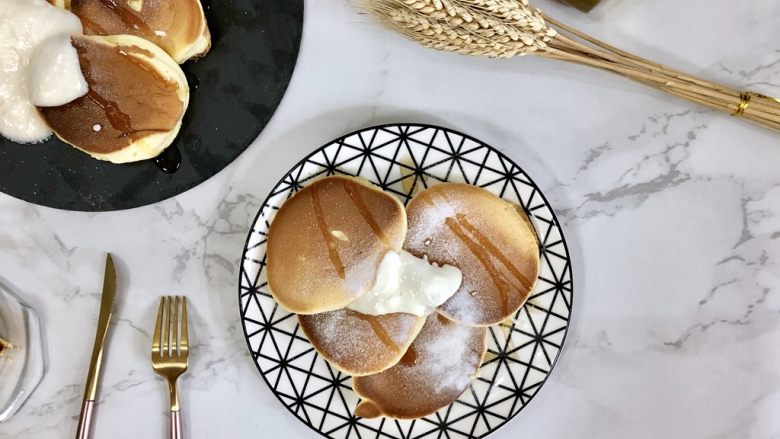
(444, 321)
(354, 195)
(494, 251)
(483, 249)
(379, 330)
(330, 241)
(410, 357)
(91, 25)
(127, 16)
(484, 258)
(118, 119)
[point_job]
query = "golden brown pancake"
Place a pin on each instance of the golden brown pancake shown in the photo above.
(178, 26)
(326, 242)
(360, 344)
(488, 239)
(436, 369)
(136, 100)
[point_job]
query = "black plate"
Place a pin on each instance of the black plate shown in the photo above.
(235, 90)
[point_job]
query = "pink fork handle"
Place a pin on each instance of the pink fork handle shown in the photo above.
(85, 420)
(176, 425)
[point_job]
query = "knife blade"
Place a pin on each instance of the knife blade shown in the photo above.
(93, 376)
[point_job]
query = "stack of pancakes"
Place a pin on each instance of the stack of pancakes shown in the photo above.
(324, 249)
(130, 56)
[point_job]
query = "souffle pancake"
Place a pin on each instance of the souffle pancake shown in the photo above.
(325, 243)
(178, 26)
(490, 240)
(360, 344)
(134, 107)
(435, 370)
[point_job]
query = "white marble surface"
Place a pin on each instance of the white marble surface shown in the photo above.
(672, 214)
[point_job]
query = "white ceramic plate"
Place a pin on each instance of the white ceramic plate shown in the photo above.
(402, 159)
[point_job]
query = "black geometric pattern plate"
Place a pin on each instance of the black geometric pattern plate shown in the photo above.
(402, 159)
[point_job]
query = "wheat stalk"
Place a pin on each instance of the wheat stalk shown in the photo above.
(507, 28)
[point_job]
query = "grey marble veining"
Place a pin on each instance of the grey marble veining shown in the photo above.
(672, 213)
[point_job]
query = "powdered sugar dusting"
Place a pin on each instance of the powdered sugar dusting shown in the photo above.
(448, 356)
(435, 370)
(360, 343)
(482, 235)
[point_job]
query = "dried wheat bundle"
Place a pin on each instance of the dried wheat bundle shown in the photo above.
(506, 28)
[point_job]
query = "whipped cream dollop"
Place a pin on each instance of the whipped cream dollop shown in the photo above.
(405, 283)
(38, 66)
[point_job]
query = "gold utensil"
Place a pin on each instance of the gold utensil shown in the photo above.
(106, 310)
(171, 351)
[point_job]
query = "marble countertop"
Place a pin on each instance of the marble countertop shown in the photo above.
(672, 214)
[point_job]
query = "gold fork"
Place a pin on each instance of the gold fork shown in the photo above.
(171, 351)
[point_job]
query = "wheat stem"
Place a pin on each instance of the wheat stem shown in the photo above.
(731, 101)
(506, 28)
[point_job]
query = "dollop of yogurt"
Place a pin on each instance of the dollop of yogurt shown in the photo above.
(38, 66)
(407, 284)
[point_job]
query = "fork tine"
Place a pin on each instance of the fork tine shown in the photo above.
(185, 340)
(175, 339)
(166, 325)
(158, 328)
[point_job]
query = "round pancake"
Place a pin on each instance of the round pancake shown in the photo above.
(435, 370)
(178, 26)
(326, 242)
(135, 104)
(359, 344)
(490, 240)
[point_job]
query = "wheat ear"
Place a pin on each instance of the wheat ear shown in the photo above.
(507, 28)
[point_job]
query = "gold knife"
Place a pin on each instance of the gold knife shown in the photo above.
(106, 310)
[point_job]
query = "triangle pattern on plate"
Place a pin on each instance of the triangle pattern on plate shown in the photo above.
(403, 159)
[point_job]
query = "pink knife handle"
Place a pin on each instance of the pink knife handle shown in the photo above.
(85, 420)
(176, 425)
